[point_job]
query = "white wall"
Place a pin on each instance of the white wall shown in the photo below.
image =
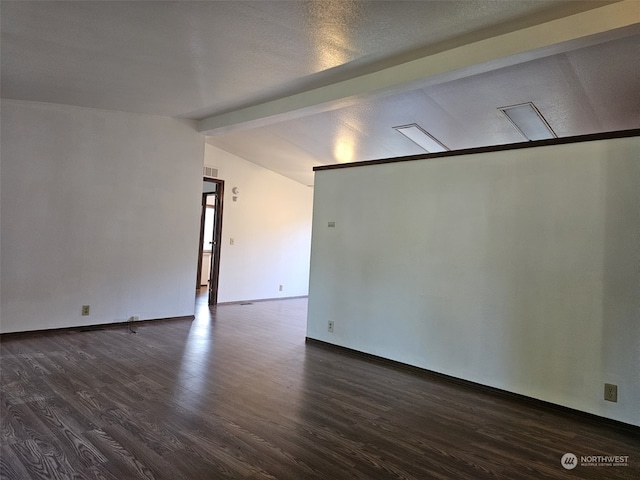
(517, 270)
(270, 224)
(83, 192)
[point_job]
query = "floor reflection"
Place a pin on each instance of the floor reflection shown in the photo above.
(194, 366)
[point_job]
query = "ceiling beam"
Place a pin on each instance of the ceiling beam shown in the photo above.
(561, 35)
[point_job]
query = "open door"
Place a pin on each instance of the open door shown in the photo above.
(210, 238)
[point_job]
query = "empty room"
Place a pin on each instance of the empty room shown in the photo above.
(331, 239)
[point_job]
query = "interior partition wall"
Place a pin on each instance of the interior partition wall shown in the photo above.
(515, 268)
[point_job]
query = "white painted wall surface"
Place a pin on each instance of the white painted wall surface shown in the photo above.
(270, 224)
(517, 270)
(99, 208)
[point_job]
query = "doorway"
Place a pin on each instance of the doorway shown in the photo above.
(210, 238)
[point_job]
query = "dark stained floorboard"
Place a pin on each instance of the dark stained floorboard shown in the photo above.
(237, 394)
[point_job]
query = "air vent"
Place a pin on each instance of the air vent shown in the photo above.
(211, 172)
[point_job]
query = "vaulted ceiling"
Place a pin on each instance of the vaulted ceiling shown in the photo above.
(293, 84)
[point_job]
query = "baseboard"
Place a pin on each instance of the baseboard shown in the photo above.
(627, 427)
(244, 302)
(99, 326)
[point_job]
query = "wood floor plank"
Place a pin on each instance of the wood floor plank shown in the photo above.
(45, 461)
(120, 462)
(238, 394)
(11, 467)
(66, 429)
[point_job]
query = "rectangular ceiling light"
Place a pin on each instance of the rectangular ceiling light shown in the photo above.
(417, 135)
(529, 121)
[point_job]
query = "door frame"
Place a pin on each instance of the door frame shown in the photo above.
(214, 269)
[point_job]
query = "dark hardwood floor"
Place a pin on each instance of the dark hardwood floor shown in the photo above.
(237, 394)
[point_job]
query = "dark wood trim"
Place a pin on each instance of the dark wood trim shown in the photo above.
(477, 386)
(99, 326)
(215, 253)
(215, 273)
(240, 302)
(202, 249)
(203, 212)
(494, 148)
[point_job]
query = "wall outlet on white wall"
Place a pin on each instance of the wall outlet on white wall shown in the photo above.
(330, 326)
(610, 392)
(85, 310)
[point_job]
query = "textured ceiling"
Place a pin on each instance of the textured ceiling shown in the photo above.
(204, 60)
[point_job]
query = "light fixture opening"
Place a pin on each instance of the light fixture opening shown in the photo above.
(422, 138)
(528, 120)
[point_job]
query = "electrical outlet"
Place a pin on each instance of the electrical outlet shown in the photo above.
(134, 318)
(330, 327)
(280, 288)
(231, 241)
(85, 310)
(610, 392)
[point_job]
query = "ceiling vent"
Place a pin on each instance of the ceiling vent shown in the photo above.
(210, 172)
(529, 121)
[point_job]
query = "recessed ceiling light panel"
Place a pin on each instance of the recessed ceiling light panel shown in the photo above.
(419, 136)
(529, 121)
